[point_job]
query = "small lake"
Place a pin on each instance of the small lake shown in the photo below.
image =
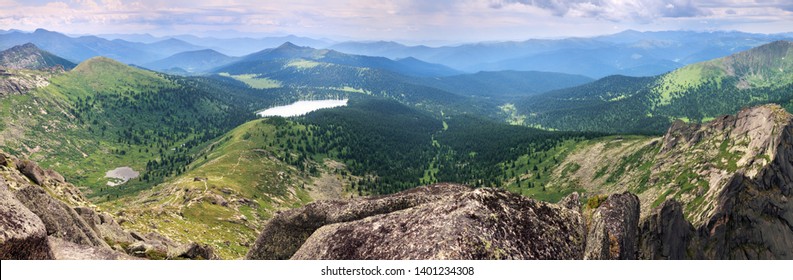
(302, 107)
(120, 175)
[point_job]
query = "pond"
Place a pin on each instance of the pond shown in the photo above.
(120, 175)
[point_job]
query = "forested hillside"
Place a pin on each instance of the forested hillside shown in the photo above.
(695, 93)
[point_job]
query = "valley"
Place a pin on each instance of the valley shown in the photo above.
(211, 149)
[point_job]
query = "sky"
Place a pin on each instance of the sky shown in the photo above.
(420, 21)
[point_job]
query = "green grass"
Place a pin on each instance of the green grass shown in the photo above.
(103, 115)
(248, 162)
(253, 81)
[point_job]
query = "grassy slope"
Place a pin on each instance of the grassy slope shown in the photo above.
(694, 93)
(44, 119)
(104, 114)
(242, 168)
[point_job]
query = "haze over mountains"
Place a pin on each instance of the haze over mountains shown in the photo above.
(629, 53)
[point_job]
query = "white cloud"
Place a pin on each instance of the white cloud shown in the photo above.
(395, 19)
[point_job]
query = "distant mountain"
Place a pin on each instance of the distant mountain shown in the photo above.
(82, 48)
(162, 47)
(410, 67)
(694, 93)
(139, 38)
(505, 85)
(630, 52)
(192, 61)
(244, 46)
(28, 56)
(596, 63)
(26, 67)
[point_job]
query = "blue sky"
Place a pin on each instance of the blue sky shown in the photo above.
(401, 20)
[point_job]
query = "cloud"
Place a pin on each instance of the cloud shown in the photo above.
(613, 10)
(392, 19)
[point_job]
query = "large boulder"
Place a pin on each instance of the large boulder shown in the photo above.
(32, 171)
(59, 219)
(65, 250)
(457, 223)
(193, 251)
(665, 234)
(287, 231)
(612, 230)
(22, 233)
(105, 226)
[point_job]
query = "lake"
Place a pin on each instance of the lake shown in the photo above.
(300, 108)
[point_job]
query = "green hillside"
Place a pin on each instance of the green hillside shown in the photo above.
(694, 93)
(103, 115)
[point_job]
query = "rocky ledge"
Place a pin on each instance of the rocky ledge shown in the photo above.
(444, 221)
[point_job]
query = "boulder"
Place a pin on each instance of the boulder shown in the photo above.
(59, 219)
(456, 223)
(65, 250)
(32, 171)
(22, 234)
(612, 230)
(193, 251)
(283, 235)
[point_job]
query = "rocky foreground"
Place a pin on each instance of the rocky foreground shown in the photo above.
(43, 217)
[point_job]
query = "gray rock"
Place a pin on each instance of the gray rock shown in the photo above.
(457, 223)
(59, 219)
(22, 234)
(572, 201)
(32, 171)
(65, 250)
(193, 251)
(105, 226)
(612, 234)
(665, 234)
(283, 235)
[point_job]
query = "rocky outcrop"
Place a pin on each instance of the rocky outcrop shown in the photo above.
(288, 230)
(105, 226)
(456, 223)
(49, 218)
(22, 234)
(665, 234)
(612, 229)
(572, 201)
(60, 220)
(65, 250)
(746, 213)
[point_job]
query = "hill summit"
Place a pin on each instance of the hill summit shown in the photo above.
(28, 56)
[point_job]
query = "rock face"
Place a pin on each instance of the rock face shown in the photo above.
(746, 214)
(457, 223)
(60, 220)
(612, 232)
(104, 225)
(22, 234)
(665, 234)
